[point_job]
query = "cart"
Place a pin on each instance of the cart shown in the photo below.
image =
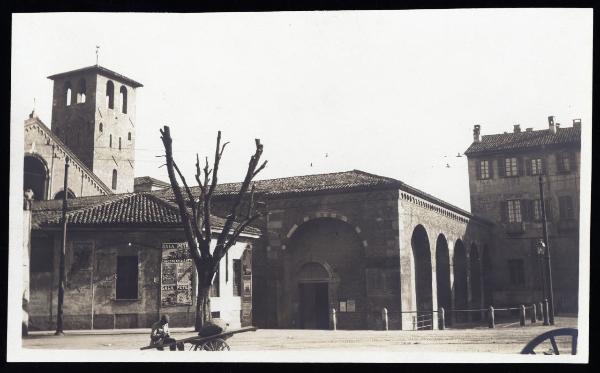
(211, 343)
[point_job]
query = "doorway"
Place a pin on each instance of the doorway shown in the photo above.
(314, 309)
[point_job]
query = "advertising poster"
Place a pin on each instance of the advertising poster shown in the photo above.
(176, 275)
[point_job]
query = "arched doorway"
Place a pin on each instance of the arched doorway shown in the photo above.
(442, 265)
(313, 290)
(61, 194)
(324, 265)
(35, 176)
(422, 266)
(475, 280)
(460, 280)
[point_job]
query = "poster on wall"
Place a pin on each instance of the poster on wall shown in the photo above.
(176, 275)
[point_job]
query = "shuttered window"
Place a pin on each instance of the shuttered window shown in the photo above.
(537, 166)
(511, 167)
(514, 211)
(565, 207)
(484, 169)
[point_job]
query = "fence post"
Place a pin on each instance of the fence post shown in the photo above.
(522, 316)
(442, 319)
(384, 316)
(333, 319)
(546, 322)
(540, 311)
(491, 322)
(414, 322)
(533, 314)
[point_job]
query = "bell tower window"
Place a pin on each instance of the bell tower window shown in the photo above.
(110, 141)
(81, 92)
(129, 136)
(68, 92)
(114, 180)
(123, 92)
(110, 94)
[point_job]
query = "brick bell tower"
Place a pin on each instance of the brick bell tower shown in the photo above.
(93, 113)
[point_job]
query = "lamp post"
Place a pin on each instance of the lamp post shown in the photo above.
(546, 249)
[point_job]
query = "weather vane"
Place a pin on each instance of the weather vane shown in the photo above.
(97, 48)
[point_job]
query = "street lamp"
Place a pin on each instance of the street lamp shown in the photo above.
(545, 249)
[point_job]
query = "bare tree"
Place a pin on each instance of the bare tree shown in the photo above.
(196, 220)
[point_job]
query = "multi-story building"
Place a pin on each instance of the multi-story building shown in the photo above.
(504, 181)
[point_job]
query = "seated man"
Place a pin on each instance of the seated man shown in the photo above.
(160, 334)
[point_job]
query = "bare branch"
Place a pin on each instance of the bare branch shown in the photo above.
(189, 234)
(262, 166)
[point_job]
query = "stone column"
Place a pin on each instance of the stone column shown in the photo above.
(27, 199)
(452, 315)
(469, 294)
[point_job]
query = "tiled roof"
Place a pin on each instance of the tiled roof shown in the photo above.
(525, 139)
(150, 180)
(338, 182)
(122, 209)
(335, 182)
(35, 121)
(102, 71)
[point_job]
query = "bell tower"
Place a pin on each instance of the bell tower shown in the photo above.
(93, 113)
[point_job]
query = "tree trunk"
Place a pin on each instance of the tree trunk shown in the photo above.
(203, 314)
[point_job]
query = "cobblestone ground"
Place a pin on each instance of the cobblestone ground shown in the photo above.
(505, 338)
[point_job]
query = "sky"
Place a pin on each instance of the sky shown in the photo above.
(394, 93)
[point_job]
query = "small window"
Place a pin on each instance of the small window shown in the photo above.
(514, 211)
(510, 167)
(484, 169)
(110, 141)
(68, 94)
(123, 93)
(564, 162)
(114, 179)
(565, 207)
(237, 277)
(215, 288)
(129, 136)
(110, 94)
(536, 166)
(81, 92)
(100, 127)
(119, 143)
(127, 277)
(516, 272)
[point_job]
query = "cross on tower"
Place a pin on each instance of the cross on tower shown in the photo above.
(97, 48)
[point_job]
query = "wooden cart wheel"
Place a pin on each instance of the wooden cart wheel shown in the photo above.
(550, 336)
(216, 344)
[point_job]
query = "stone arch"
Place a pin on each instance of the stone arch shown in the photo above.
(476, 280)
(81, 91)
(421, 257)
(460, 288)
(320, 215)
(61, 194)
(36, 175)
(442, 265)
(323, 263)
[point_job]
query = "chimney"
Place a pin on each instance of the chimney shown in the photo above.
(577, 123)
(528, 129)
(551, 126)
(476, 133)
(517, 128)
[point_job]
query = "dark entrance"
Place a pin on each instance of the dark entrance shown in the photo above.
(314, 310)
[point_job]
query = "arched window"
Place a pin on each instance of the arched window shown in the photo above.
(81, 92)
(119, 143)
(114, 180)
(68, 93)
(123, 92)
(61, 194)
(110, 94)
(35, 176)
(110, 141)
(129, 136)
(100, 127)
